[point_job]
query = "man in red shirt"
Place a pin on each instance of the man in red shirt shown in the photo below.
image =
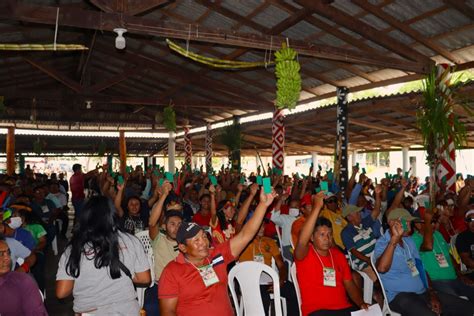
(196, 282)
(76, 183)
(323, 273)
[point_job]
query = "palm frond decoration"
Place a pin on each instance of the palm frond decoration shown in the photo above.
(231, 137)
(436, 118)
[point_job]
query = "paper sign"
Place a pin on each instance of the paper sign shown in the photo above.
(120, 180)
(161, 182)
(242, 180)
(267, 185)
(330, 176)
(169, 177)
(363, 171)
(406, 175)
(259, 180)
(317, 190)
(213, 180)
(373, 310)
(324, 186)
(387, 176)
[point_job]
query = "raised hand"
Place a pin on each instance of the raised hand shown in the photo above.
(378, 189)
(318, 200)
(253, 189)
(396, 231)
(267, 199)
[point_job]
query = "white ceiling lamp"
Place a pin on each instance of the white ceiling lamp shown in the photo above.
(88, 105)
(120, 40)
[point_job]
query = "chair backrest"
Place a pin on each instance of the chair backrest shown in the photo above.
(386, 307)
(454, 252)
(145, 240)
(279, 238)
(295, 283)
(248, 275)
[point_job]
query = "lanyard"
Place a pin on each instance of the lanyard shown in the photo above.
(317, 254)
(209, 263)
(259, 249)
(437, 245)
(407, 248)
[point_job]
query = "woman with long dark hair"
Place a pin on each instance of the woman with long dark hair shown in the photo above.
(101, 263)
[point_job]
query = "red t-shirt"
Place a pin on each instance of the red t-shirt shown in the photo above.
(76, 184)
(180, 279)
(202, 220)
(458, 225)
(270, 228)
(314, 295)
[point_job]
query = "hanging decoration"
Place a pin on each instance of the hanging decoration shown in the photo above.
(169, 118)
(215, 62)
(278, 141)
(287, 71)
(42, 47)
(38, 147)
(231, 137)
(102, 148)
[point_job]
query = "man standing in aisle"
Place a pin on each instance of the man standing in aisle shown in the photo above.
(77, 187)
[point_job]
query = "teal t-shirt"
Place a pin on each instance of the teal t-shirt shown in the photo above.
(429, 259)
(36, 230)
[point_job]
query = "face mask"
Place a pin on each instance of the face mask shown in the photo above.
(294, 212)
(15, 222)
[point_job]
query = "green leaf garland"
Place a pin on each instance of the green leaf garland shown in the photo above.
(169, 118)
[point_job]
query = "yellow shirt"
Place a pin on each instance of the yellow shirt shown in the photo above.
(338, 223)
(264, 246)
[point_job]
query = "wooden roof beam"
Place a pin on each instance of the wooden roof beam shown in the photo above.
(407, 30)
(462, 7)
(73, 85)
(364, 29)
(89, 19)
(386, 129)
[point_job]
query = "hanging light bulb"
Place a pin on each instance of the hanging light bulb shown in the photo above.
(88, 105)
(120, 40)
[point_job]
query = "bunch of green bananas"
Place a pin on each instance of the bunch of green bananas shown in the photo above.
(214, 62)
(287, 71)
(169, 118)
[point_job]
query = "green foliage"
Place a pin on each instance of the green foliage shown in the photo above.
(436, 119)
(231, 137)
(169, 118)
(287, 71)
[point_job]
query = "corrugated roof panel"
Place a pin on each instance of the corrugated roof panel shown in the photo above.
(404, 10)
(380, 49)
(217, 21)
(441, 22)
(401, 37)
(243, 8)
(459, 39)
(347, 6)
(353, 82)
(246, 29)
(322, 18)
(374, 22)
(331, 40)
(301, 30)
(310, 82)
(189, 9)
(385, 74)
(315, 65)
(424, 50)
(270, 17)
(224, 50)
(338, 74)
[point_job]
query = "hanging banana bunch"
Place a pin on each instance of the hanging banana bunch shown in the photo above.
(287, 71)
(215, 62)
(42, 47)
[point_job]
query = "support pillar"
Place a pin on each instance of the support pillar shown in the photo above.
(405, 159)
(11, 151)
(314, 158)
(278, 140)
(171, 151)
(188, 149)
(123, 152)
(208, 146)
(342, 140)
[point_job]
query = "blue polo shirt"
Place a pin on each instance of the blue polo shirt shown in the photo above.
(25, 238)
(399, 279)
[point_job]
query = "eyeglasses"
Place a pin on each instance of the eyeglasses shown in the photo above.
(469, 219)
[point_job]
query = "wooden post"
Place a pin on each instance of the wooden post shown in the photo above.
(11, 151)
(123, 153)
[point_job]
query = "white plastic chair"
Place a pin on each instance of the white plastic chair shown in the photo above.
(287, 262)
(386, 309)
(248, 276)
(144, 238)
(368, 283)
(297, 287)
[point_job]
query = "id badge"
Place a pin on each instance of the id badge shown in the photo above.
(412, 266)
(329, 277)
(258, 258)
(208, 275)
(45, 209)
(442, 262)
(338, 221)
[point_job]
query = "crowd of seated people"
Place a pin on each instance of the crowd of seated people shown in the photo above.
(200, 225)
